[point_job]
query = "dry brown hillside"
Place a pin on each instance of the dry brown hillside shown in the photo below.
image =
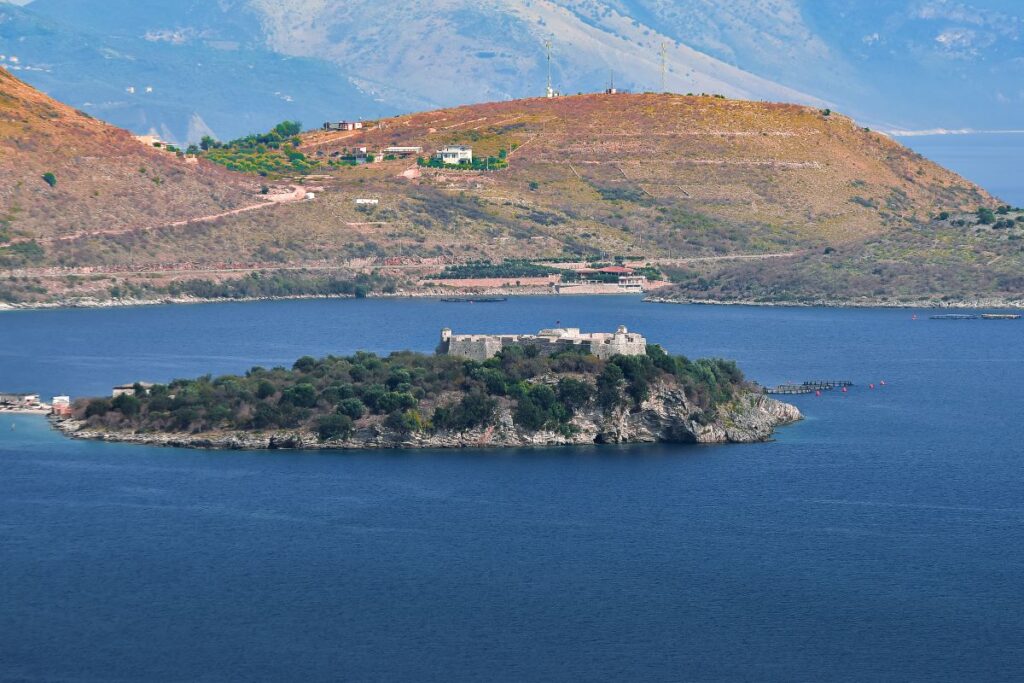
(104, 178)
(784, 172)
(668, 177)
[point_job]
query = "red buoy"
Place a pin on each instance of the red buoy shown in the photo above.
(817, 393)
(872, 386)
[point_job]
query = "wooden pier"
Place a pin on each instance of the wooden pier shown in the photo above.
(983, 316)
(811, 387)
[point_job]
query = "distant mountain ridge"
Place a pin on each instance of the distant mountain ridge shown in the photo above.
(236, 66)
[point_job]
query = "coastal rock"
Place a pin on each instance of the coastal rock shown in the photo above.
(666, 416)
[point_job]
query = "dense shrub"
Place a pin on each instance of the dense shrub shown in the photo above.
(333, 427)
(335, 395)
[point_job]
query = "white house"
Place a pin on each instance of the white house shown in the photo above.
(456, 155)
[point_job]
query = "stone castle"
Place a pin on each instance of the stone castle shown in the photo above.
(604, 345)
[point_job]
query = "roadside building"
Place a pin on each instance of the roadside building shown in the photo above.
(19, 400)
(633, 284)
(367, 202)
(150, 140)
(343, 125)
(616, 270)
(455, 155)
(61, 406)
(626, 284)
(402, 151)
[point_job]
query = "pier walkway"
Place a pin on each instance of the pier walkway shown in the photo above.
(807, 387)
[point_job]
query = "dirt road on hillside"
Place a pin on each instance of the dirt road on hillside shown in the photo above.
(297, 195)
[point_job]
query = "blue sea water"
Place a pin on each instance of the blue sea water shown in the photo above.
(880, 539)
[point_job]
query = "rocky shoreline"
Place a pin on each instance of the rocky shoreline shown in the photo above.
(667, 416)
(168, 301)
(984, 303)
(994, 303)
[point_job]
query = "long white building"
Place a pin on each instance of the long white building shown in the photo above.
(604, 345)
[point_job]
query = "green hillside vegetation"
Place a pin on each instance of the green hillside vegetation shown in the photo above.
(412, 392)
(270, 154)
(522, 268)
(257, 285)
(509, 268)
(960, 257)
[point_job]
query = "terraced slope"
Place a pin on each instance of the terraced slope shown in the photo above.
(673, 175)
(63, 173)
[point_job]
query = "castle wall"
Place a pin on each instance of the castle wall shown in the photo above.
(482, 347)
(474, 348)
(620, 345)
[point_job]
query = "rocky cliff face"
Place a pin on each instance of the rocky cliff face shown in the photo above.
(667, 416)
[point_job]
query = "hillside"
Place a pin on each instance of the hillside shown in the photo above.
(676, 180)
(63, 172)
(675, 175)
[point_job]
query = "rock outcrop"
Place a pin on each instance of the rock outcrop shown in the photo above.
(667, 416)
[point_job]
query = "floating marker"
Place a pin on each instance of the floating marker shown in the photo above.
(883, 382)
(872, 386)
(818, 394)
(845, 390)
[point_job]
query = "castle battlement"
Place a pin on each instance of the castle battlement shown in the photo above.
(604, 345)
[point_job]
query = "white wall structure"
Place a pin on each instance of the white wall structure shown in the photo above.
(604, 345)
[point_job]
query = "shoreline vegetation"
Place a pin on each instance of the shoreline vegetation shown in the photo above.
(410, 400)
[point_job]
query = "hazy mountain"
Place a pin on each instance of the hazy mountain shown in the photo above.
(238, 65)
(139, 68)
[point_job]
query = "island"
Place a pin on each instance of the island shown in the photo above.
(559, 387)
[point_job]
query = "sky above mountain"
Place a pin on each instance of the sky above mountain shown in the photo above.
(184, 68)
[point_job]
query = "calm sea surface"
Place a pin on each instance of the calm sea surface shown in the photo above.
(881, 539)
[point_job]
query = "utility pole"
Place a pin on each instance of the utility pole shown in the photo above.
(550, 91)
(664, 67)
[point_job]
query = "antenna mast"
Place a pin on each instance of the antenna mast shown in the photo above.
(550, 90)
